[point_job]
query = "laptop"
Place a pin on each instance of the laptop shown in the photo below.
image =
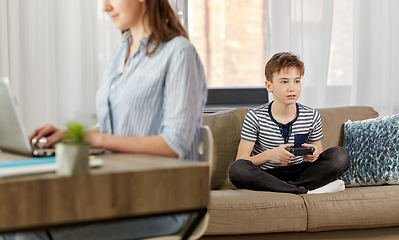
(13, 137)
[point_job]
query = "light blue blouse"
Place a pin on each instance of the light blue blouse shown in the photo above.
(162, 94)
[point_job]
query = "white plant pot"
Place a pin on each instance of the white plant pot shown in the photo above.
(72, 159)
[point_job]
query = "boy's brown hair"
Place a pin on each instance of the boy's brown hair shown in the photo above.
(282, 61)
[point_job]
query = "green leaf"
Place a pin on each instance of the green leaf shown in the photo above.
(74, 134)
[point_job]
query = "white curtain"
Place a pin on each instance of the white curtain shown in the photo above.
(349, 48)
(54, 53)
(304, 28)
(376, 55)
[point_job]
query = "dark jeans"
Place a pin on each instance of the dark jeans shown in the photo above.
(296, 178)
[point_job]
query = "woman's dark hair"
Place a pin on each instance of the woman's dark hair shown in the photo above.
(163, 22)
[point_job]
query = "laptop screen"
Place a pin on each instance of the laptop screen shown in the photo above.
(13, 136)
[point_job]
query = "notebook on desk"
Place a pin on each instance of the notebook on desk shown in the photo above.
(13, 137)
(36, 165)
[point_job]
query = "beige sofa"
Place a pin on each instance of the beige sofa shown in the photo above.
(356, 213)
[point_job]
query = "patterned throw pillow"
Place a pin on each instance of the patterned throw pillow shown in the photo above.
(373, 147)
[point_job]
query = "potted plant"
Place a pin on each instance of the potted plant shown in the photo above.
(72, 153)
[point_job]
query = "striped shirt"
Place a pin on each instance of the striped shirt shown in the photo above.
(162, 94)
(260, 127)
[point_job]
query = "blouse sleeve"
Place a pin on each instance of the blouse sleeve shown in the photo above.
(184, 99)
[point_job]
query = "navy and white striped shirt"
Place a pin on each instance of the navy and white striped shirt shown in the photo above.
(162, 94)
(260, 127)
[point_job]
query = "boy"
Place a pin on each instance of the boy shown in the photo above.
(263, 163)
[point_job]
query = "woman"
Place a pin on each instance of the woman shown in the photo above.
(150, 101)
(153, 89)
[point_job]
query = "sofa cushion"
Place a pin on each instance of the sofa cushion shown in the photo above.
(251, 212)
(226, 129)
(373, 147)
(360, 207)
(333, 120)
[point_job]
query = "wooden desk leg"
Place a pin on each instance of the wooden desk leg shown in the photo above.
(197, 220)
(48, 234)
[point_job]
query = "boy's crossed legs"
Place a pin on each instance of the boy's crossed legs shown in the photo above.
(297, 178)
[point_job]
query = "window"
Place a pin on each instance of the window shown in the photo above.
(230, 37)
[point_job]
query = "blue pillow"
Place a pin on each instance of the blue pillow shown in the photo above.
(373, 147)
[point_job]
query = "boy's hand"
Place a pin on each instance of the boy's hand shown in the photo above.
(312, 157)
(280, 155)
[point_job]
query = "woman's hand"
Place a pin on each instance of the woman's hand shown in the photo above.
(51, 133)
(95, 139)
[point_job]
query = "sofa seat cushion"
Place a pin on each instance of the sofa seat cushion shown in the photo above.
(360, 207)
(251, 212)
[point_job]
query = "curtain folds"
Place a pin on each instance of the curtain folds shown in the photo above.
(55, 55)
(350, 53)
(376, 55)
(303, 27)
(3, 39)
(55, 52)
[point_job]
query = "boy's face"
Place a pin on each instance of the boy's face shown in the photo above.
(285, 86)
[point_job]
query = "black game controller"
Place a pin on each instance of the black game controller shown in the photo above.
(300, 151)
